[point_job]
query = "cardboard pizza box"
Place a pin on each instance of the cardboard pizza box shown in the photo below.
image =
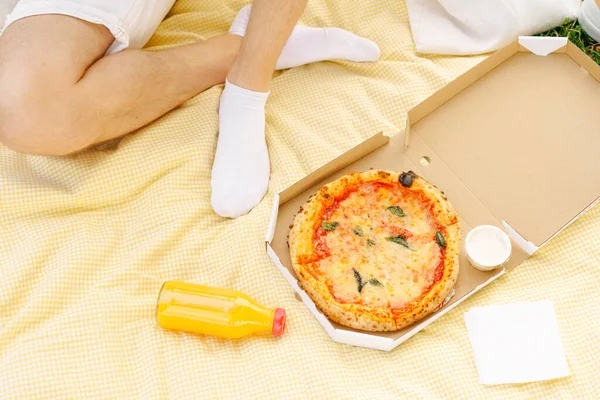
(513, 142)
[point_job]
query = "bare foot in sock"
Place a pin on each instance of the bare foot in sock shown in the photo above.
(240, 174)
(307, 45)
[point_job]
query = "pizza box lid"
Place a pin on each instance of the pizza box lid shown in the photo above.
(499, 144)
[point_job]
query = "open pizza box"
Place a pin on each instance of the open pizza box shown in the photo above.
(514, 142)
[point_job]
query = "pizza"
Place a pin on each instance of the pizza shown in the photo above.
(376, 250)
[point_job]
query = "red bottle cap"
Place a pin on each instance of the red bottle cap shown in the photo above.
(278, 322)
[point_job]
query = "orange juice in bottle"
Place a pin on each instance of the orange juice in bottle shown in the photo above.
(214, 311)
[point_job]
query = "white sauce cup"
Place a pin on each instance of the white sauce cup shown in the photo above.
(487, 247)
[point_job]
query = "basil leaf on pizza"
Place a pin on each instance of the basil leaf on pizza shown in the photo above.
(359, 280)
(396, 211)
(440, 239)
(329, 226)
(375, 282)
(398, 239)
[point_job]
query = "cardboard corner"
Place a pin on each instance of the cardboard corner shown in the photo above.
(517, 238)
(286, 274)
(407, 131)
(272, 219)
(584, 61)
(542, 46)
(363, 340)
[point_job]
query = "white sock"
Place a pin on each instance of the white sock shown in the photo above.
(240, 174)
(307, 45)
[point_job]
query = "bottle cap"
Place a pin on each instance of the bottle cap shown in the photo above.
(278, 322)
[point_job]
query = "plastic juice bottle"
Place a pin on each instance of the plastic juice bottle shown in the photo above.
(214, 311)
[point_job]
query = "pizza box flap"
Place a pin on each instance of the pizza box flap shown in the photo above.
(511, 143)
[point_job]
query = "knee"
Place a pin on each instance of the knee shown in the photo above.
(32, 125)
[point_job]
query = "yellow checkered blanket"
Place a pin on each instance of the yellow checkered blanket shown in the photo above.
(87, 240)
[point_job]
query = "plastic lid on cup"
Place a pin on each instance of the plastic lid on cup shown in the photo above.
(278, 322)
(487, 247)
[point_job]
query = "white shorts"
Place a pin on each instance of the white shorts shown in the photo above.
(132, 22)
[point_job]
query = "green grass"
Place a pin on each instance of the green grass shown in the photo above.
(573, 31)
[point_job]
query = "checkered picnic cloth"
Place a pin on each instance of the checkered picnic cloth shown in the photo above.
(87, 240)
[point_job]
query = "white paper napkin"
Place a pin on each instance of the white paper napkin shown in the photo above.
(516, 343)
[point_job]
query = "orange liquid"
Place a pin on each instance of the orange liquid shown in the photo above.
(214, 311)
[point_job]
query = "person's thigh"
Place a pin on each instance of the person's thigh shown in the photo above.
(49, 51)
(41, 59)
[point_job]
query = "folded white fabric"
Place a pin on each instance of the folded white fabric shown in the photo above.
(589, 17)
(481, 26)
(6, 7)
(516, 343)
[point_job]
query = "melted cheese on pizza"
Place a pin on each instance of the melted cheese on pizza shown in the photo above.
(382, 247)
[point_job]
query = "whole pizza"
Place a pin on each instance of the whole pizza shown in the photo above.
(376, 250)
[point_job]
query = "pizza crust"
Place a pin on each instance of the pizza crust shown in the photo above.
(361, 316)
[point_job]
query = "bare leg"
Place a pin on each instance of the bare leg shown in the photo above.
(60, 95)
(271, 23)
